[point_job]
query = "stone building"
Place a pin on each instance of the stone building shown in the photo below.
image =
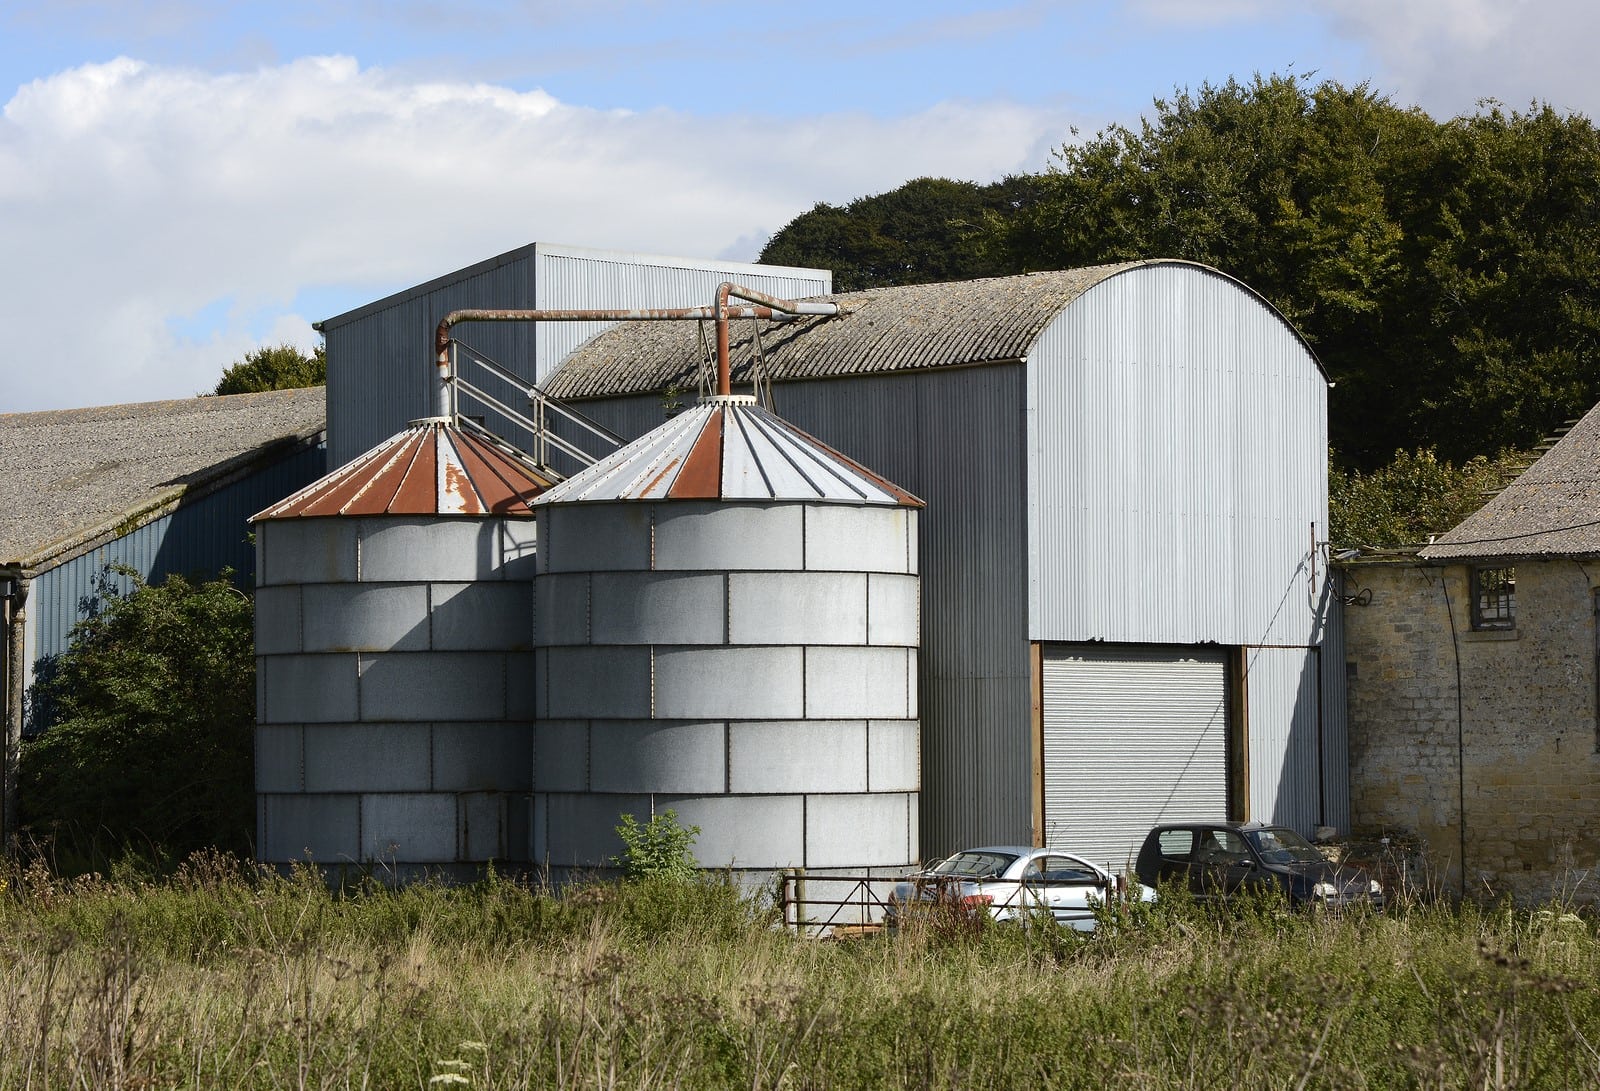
(1473, 666)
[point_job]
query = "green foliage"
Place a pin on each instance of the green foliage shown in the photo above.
(927, 230)
(150, 746)
(1447, 274)
(1415, 496)
(230, 976)
(659, 849)
(274, 367)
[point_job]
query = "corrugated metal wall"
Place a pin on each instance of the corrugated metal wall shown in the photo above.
(571, 278)
(1177, 488)
(202, 538)
(380, 357)
(1178, 462)
(955, 439)
(1282, 689)
(1335, 712)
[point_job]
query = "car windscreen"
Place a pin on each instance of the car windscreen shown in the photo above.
(976, 865)
(1279, 845)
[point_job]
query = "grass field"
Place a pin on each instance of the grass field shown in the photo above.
(221, 977)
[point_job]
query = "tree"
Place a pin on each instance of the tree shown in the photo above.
(275, 367)
(927, 230)
(1415, 496)
(150, 747)
(1447, 275)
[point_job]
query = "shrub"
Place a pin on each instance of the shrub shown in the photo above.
(659, 849)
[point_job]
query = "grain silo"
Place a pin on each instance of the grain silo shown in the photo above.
(726, 625)
(394, 661)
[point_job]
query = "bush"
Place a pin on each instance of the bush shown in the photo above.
(150, 747)
(659, 849)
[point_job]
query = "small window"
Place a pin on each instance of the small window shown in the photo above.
(1494, 598)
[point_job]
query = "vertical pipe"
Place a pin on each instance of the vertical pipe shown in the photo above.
(724, 367)
(16, 625)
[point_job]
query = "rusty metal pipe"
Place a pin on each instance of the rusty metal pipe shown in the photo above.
(728, 289)
(766, 307)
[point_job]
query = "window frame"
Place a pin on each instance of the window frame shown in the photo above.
(1494, 597)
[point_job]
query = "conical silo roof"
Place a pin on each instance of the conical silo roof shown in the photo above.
(432, 467)
(728, 448)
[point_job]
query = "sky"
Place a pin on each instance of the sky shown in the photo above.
(184, 181)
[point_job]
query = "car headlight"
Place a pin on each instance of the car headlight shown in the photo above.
(1324, 890)
(1375, 888)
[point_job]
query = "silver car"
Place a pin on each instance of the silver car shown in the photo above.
(1010, 883)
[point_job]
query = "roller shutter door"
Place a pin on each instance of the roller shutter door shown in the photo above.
(1132, 737)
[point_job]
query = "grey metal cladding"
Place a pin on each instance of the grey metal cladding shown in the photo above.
(380, 356)
(1282, 688)
(1177, 476)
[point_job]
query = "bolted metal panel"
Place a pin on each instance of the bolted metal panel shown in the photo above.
(1132, 736)
(338, 757)
(409, 827)
(561, 756)
(893, 756)
(652, 607)
(798, 756)
(658, 756)
(1282, 694)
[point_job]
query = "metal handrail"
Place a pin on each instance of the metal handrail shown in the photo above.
(535, 422)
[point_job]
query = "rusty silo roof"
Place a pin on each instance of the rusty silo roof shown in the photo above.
(431, 467)
(728, 448)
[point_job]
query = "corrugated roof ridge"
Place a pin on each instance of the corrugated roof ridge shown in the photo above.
(884, 329)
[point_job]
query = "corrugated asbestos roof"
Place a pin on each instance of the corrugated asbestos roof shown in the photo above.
(71, 476)
(884, 330)
(430, 468)
(1551, 510)
(728, 448)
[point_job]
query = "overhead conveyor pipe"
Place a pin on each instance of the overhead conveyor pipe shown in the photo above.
(720, 312)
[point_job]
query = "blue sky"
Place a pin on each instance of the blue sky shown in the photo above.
(180, 181)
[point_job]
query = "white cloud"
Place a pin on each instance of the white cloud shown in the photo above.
(133, 195)
(1446, 55)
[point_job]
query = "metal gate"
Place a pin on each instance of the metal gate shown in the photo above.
(1132, 736)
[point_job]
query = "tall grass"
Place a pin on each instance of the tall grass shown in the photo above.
(223, 976)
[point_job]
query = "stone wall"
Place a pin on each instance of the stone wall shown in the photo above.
(1496, 726)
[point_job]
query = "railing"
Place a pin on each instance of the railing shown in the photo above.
(543, 411)
(841, 905)
(824, 904)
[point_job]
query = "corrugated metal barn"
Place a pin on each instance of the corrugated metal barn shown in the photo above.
(1125, 601)
(380, 356)
(160, 487)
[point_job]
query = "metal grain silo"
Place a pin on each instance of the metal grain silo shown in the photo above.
(726, 624)
(394, 678)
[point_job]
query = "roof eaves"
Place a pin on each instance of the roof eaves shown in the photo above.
(201, 484)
